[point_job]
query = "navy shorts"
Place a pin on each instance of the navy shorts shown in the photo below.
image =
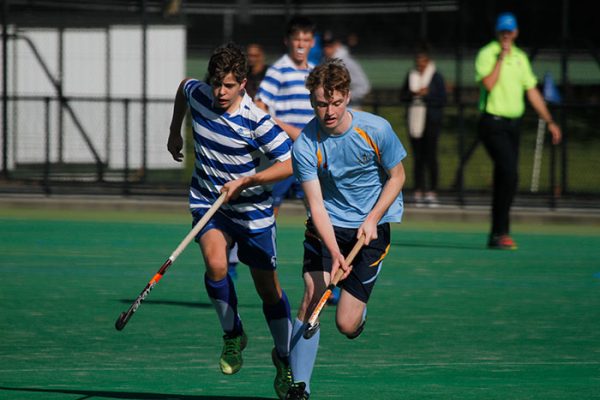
(255, 249)
(366, 264)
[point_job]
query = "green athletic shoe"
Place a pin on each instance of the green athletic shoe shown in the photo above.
(231, 356)
(283, 377)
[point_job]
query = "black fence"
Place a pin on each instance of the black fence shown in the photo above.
(100, 144)
(109, 144)
(549, 175)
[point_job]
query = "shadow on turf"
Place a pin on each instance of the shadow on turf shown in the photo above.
(434, 245)
(90, 394)
(191, 304)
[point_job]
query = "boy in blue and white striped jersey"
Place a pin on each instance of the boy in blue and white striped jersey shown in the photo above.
(282, 92)
(239, 149)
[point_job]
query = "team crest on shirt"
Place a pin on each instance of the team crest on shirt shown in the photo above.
(365, 158)
(243, 131)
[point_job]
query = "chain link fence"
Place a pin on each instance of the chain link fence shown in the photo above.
(89, 108)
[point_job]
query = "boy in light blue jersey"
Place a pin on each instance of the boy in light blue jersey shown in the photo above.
(238, 149)
(350, 166)
(282, 92)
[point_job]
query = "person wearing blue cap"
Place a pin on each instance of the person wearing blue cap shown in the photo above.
(503, 73)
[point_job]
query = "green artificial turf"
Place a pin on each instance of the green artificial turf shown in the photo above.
(448, 319)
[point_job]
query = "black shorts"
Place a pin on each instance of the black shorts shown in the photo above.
(366, 264)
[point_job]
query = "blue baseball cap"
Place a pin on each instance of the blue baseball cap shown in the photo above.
(506, 22)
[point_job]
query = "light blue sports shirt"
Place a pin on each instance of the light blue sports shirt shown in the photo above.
(351, 167)
(284, 93)
(228, 146)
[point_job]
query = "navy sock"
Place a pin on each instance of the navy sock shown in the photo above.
(279, 319)
(224, 298)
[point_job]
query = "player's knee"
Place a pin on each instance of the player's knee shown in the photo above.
(346, 327)
(268, 292)
(351, 331)
(216, 271)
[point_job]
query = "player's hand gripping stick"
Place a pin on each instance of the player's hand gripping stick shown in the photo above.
(313, 321)
(126, 315)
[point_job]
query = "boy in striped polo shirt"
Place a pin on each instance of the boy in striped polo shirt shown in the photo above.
(282, 92)
(239, 149)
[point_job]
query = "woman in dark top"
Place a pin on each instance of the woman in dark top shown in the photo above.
(425, 92)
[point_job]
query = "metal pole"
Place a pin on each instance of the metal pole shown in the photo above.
(227, 27)
(565, 81)
(47, 145)
(108, 107)
(126, 146)
(423, 32)
(144, 91)
(459, 103)
(5, 88)
(61, 113)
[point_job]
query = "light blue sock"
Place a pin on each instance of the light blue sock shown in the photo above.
(303, 353)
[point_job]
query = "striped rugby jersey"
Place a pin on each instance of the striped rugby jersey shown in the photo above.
(283, 91)
(230, 146)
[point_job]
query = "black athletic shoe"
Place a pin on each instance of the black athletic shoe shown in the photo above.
(297, 392)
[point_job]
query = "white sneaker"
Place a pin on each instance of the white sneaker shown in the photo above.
(431, 199)
(418, 199)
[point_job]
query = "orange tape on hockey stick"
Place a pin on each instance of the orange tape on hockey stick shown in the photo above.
(126, 315)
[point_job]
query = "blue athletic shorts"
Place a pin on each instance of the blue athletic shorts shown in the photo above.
(256, 250)
(366, 264)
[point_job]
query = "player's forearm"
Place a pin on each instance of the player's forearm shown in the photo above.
(537, 102)
(539, 105)
(490, 80)
(319, 216)
(321, 221)
(275, 173)
(390, 191)
(179, 111)
(291, 130)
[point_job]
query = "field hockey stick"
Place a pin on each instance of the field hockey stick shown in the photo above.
(537, 156)
(126, 315)
(313, 321)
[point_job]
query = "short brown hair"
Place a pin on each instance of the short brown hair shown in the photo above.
(300, 23)
(332, 75)
(226, 59)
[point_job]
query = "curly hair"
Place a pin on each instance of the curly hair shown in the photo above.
(225, 59)
(332, 75)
